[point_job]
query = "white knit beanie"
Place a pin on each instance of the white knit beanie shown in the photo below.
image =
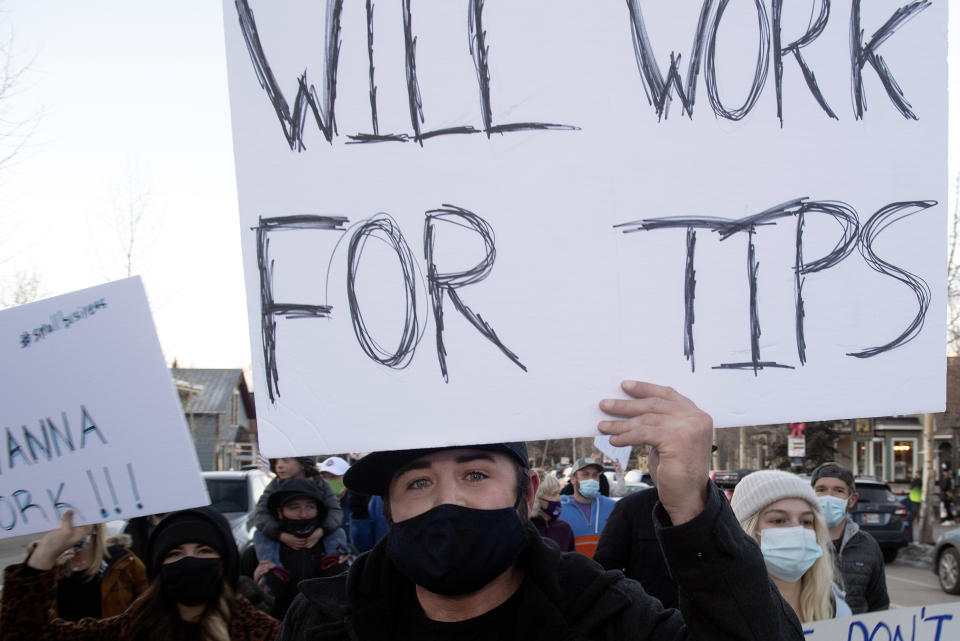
(758, 490)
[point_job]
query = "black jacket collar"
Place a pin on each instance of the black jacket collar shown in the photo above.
(563, 594)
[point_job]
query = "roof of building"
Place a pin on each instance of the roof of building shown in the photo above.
(217, 387)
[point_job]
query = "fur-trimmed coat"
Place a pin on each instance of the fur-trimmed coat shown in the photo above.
(28, 595)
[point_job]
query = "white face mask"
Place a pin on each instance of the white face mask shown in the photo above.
(789, 551)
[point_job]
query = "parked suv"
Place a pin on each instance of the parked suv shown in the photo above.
(880, 512)
(234, 494)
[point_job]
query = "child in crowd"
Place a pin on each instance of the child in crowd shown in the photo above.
(269, 535)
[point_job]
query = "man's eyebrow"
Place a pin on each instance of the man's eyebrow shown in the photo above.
(463, 458)
(476, 456)
(413, 465)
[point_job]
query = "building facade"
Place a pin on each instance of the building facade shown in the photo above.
(220, 414)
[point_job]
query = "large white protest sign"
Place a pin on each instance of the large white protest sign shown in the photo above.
(468, 220)
(927, 623)
(91, 419)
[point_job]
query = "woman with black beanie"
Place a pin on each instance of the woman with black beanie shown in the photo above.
(192, 563)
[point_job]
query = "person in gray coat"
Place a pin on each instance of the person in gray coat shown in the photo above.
(859, 559)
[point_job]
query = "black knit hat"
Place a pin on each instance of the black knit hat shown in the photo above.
(199, 525)
(372, 474)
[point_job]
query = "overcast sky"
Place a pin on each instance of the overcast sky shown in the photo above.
(128, 100)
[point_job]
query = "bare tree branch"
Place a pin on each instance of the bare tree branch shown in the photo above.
(24, 288)
(953, 277)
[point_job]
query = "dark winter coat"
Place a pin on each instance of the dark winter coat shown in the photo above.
(122, 580)
(629, 543)
(558, 530)
(298, 565)
(860, 562)
(28, 595)
(725, 592)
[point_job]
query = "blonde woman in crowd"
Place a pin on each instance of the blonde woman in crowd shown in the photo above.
(545, 514)
(783, 514)
(98, 577)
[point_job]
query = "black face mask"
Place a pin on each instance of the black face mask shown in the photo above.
(300, 528)
(454, 550)
(191, 581)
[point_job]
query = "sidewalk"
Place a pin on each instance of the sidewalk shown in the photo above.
(921, 554)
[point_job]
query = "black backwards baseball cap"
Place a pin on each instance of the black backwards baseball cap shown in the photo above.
(372, 474)
(288, 489)
(833, 471)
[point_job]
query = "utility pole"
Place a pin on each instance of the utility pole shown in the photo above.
(742, 454)
(929, 478)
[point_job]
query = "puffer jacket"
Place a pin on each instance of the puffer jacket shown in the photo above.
(725, 592)
(860, 563)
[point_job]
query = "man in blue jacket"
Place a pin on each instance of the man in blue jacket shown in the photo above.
(586, 510)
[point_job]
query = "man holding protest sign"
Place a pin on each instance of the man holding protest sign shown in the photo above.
(461, 558)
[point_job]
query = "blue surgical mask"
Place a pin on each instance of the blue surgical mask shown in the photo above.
(834, 510)
(589, 488)
(789, 551)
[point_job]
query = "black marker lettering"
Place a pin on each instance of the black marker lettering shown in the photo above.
(657, 88)
(847, 217)
(862, 53)
(269, 308)
(96, 494)
(816, 28)
(8, 525)
(384, 228)
(32, 442)
(871, 229)
(322, 109)
(58, 436)
(689, 290)
(88, 425)
(133, 486)
(448, 283)
(759, 76)
(59, 506)
(24, 503)
(14, 450)
(373, 85)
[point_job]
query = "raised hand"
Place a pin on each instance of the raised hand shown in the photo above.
(680, 436)
(56, 542)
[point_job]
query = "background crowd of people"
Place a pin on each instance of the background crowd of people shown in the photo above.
(180, 575)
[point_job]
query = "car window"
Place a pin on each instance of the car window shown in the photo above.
(876, 495)
(258, 483)
(228, 495)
